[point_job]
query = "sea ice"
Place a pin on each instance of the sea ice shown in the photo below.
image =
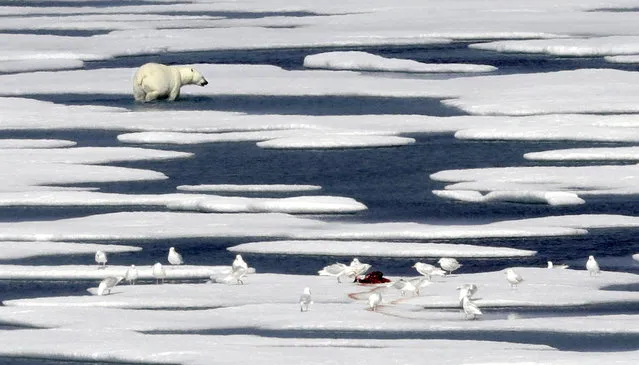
(363, 61)
(376, 248)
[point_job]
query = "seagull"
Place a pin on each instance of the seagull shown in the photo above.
(107, 284)
(553, 266)
(470, 309)
(592, 266)
(467, 290)
(174, 257)
(403, 286)
(101, 259)
(305, 300)
(513, 278)
(357, 268)
(374, 300)
(131, 275)
(420, 282)
(449, 264)
(239, 269)
(336, 269)
(428, 270)
(158, 273)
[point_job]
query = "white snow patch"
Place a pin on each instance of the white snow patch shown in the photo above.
(271, 188)
(94, 272)
(161, 225)
(196, 202)
(576, 180)
(12, 250)
(336, 141)
(526, 197)
(586, 154)
(579, 47)
(376, 248)
(363, 61)
(34, 143)
(40, 64)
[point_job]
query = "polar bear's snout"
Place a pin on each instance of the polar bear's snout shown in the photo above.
(203, 82)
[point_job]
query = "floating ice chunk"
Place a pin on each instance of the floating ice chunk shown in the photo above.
(41, 64)
(588, 154)
(34, 143)
(336, 141)
(271, 188)
(582, 47)
(526, 197)
(80, 272)
(636, 257)
(538, 180)
(363, 61)
(292, 205)
(377, 248)
(196, 138)
(12, 250)
(622, 59)
(203, 203)
(90, 155)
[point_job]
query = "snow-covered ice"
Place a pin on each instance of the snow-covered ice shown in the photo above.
(248, 188)
(363, 61)
(377, 248)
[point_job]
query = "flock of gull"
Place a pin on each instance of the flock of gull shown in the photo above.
(353, 271)
(239, 269)
(447, 265)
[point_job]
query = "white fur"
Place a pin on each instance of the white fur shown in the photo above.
(156, 81)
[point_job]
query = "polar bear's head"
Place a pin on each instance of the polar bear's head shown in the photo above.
(191, 76)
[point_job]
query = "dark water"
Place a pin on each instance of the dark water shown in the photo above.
(456, 52)
(393, 182)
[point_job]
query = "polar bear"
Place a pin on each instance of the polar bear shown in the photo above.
(156, 81)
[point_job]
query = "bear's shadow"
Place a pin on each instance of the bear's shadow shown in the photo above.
(267, 104)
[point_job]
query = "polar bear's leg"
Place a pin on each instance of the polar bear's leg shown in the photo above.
(174, 94)
(138, 94)
(151, 95)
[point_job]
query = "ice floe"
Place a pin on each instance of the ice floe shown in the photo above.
(578, 47)
(194, 202)
(282, 139)
(612, 153)
(158, 225)
(12, 250)
(363, 61)
(34, 143)
(524, 197)
(277, 188)
(91, 272)
(535, 182)
(376, 248)
(336, 141)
